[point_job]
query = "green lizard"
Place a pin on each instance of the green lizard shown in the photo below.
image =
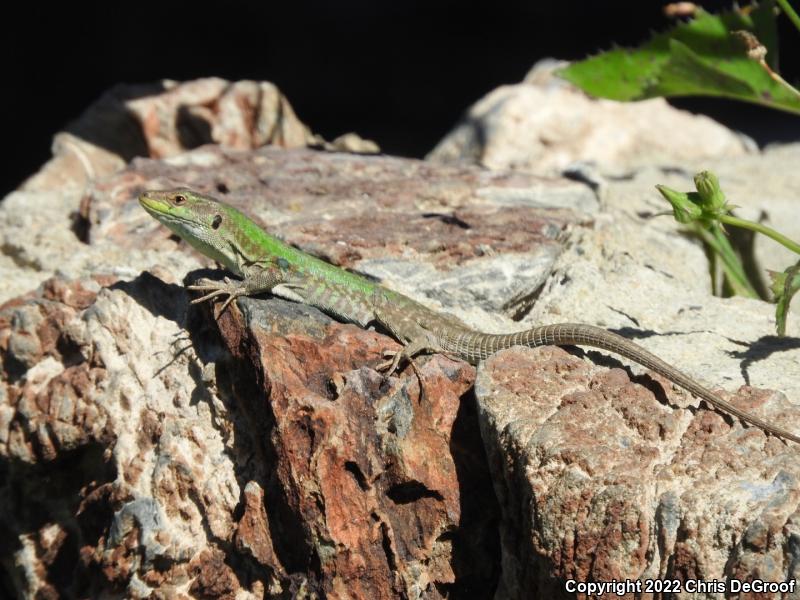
(266, 264)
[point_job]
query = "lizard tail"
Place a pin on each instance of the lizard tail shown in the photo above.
(474, 346)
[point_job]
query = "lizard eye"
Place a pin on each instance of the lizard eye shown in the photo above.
(216, 222)
(179, 199)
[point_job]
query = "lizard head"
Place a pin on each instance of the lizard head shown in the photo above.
(197, 219)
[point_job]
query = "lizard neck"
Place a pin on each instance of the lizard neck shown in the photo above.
(254, 245)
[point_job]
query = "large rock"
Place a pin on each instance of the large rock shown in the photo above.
(148, 120)
(273, 459)
(594, 485)
(546, 125)
(165, 119)
(601, 476)
(147, 448)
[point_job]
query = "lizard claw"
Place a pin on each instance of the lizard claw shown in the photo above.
(390, 366)
(408, 351)
(233, 289)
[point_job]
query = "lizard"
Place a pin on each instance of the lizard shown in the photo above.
(265, 264)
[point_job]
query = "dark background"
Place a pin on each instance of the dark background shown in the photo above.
(398, 72)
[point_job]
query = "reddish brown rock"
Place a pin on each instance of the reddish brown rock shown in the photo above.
(165, 119)
(344, 483)
(349, 207)
(365, 465)
(369, 490)
(253, 533)
(212, 577)
(242, 114)
(47, 379)
(602, 477)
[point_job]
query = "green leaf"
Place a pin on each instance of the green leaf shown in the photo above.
(784, 285)
(707, 56)
(685, 205)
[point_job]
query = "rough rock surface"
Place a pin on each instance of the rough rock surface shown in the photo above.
(166, 119)
(377, 483)
(762, 187)
(545, 125)
(140, 471)
(149, 450)
(694, 489)
(601, 477)
(272, 460)
(150, 120)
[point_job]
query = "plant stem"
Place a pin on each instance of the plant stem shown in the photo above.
(789, 12)
(731, 266)
(768, 231)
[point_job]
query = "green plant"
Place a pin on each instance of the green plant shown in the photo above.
(732, 54)
(706, 212)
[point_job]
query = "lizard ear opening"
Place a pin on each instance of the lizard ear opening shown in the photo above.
(216, 222)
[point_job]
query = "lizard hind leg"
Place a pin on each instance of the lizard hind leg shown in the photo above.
(408, 352)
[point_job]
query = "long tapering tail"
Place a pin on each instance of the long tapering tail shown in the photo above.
(474, 346)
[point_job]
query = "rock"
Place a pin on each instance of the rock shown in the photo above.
(593, 495)
(150, 449)
(761, 186)
(347, 481)
(165, 119)
(160, 120)
(273, 460)
(388, 217)
(544, 125)
(103, 442)
(601, 477)
(369, 487)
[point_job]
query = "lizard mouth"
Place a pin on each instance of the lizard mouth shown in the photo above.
(161, 210)
(154, 206)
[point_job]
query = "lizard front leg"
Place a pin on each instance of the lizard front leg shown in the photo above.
(399, 316)
(259, 278)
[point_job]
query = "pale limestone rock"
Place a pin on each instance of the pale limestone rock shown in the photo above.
(545, 125)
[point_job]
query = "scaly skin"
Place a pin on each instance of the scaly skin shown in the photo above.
(267, 264)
